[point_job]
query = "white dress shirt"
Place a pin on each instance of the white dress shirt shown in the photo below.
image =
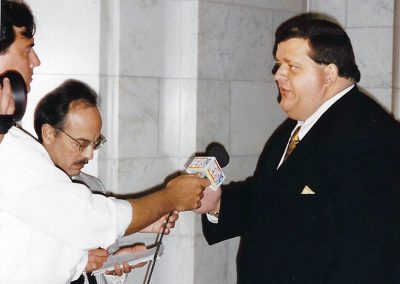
(95, 185)
(47, 223)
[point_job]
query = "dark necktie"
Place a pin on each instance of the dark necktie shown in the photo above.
(294, 140)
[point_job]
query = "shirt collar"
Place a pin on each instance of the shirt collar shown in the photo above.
(309, 122)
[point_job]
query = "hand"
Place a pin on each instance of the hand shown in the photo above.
(7, 104)
(96, 259)
(125, 267)
(210, 202)
(186, 191)
(158, 225)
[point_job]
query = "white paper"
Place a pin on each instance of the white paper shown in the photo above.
(131, 258)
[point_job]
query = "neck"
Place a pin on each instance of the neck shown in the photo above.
(339, 85)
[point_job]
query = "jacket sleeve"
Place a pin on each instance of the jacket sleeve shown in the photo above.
(233, 213)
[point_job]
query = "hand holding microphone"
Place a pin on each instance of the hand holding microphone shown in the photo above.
(185, 192)
(210, 166)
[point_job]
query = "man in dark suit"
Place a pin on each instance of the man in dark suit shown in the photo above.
(323, 205)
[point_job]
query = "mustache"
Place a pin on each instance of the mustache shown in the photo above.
(83, 162)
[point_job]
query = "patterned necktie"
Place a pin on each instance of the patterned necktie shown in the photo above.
(294, 140)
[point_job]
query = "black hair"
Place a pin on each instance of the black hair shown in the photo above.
(54, 106)
(328, 41)
(15, 14)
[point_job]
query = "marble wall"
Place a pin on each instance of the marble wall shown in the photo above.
(67, 43)
(369, 24)
(175, 75)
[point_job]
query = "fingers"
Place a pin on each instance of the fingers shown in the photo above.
(96, 258)
(124, 268)
(169, 223)
(120, 269)
(210, 201)
(7, 104)
(141, 264)
(132, 249)
(186, 191)
(204, 182)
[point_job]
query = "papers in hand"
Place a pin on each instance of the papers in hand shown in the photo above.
(131, 258)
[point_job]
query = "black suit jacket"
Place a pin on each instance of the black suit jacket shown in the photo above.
(349, 230)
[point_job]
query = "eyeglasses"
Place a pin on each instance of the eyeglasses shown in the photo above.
(84, 145)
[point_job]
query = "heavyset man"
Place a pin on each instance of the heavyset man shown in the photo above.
(323, 205)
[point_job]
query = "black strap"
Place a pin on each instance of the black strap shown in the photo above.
(6, 122)
(81, 279)
(91, 278)
(18, 88)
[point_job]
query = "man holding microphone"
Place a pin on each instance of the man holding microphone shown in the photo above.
(41, 210)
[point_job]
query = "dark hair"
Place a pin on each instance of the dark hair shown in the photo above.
(328, 41)
(15, 14)
(53, 107)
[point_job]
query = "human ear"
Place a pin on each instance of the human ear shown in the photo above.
(48, 133)
(331, 73)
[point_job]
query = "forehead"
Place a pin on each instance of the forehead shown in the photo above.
(83, 118)
(294, 48)
(20, 43)
(19, 36)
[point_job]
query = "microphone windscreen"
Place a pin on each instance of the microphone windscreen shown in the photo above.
(218, 151)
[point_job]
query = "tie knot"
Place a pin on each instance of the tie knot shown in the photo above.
(294, 140)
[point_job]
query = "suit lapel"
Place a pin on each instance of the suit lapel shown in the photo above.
(322, 135)
(274, 149)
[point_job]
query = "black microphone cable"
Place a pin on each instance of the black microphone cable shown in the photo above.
(214, 149)
(158, 244)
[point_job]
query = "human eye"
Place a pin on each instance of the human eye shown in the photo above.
(84, 144)
(275, 68)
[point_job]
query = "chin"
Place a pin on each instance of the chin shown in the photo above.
(284, 106)
(72, 173)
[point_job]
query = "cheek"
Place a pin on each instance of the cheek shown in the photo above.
(62, 157)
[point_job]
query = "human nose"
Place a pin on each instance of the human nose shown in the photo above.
(88, 152)
(34, 60)
(280, 73)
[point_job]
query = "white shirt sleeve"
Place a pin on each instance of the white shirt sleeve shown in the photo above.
(34, 191)
(212, 218)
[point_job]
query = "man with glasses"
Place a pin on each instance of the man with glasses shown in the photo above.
(49, 223)
(68, 124)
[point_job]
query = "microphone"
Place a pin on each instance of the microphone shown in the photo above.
(210, 165)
